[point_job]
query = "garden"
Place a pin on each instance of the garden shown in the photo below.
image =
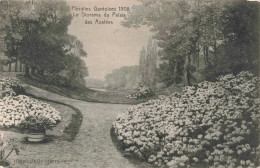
(212, 124)
(23, 114)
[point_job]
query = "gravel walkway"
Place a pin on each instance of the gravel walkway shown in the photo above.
(92, 147)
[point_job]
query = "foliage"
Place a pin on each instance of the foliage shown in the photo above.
(35, 124)
(76, 71)
(123, 78)
(10, 87)
(13, 110)
(203, 34)
(38, 36)
(56, 79)
(213, 124)
(147, 64)
(143, 92)
(38, 33)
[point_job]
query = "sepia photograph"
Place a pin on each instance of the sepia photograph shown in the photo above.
(129, 84)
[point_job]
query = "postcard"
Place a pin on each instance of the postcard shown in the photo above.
(129, 83)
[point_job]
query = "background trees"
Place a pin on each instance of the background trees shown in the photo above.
(147, 64)
(38, 36)
(126, 77)
(209, 37)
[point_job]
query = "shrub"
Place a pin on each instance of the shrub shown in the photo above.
(10, 87)
(36, 124)
(143, 92)
(214, 124)
(13, 110)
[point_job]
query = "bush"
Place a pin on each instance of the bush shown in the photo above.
(10, 87)
(214, 124)
(143, 92)
(58, 80)
(35, 124)
(13, 110)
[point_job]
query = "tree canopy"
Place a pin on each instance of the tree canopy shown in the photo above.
(213, 37)
(126, 77)
(37, 35)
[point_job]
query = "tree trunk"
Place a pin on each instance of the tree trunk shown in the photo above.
(15, 66)
(207, 55)
(186, 71)
(175, 72)
(198, 60)
(27, 70)
(33, 69)
(9, 66)
(215, 53)
(21, 66)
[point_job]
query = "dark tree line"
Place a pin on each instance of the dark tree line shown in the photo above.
(37, 36)
(201, 36)
(126, 77)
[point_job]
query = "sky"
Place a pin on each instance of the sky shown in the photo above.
(108, 46)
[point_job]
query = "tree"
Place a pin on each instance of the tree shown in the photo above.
(39, 34)
(241, 32)
(147, 64)
(142, 65)
(76, 69)
(199, 34)
(126, 77)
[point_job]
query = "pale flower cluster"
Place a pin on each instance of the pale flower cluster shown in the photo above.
(142, 92)
(13, 110)
(214, 124)
(6, 85)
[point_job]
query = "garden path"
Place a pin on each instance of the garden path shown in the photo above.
(92, 147)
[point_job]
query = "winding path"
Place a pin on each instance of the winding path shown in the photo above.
(92, 147)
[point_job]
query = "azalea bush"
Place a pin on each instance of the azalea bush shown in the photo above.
(13, 110)
(10, 87)
(213, 124)
(143, 92)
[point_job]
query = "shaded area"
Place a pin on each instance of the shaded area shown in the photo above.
(137, 161)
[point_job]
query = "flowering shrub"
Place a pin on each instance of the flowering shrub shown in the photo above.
(13, 110)
(36, 124)
(143, 92)
(9, 87)
(212, 124)
(56, 79)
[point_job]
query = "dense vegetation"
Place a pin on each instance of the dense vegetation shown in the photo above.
(37, 35)
(213, 124)
(201, 39)
(147, 64)
(126, 77)
(15, 107)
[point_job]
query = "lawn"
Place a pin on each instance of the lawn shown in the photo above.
(83, 94)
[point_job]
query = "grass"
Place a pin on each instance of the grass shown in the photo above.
(83, 94)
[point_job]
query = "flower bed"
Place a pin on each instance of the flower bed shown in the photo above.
(9, 87)
(13, 110)
(212, 124)
(143, 92)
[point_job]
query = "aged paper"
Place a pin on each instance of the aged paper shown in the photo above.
(124, 83)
